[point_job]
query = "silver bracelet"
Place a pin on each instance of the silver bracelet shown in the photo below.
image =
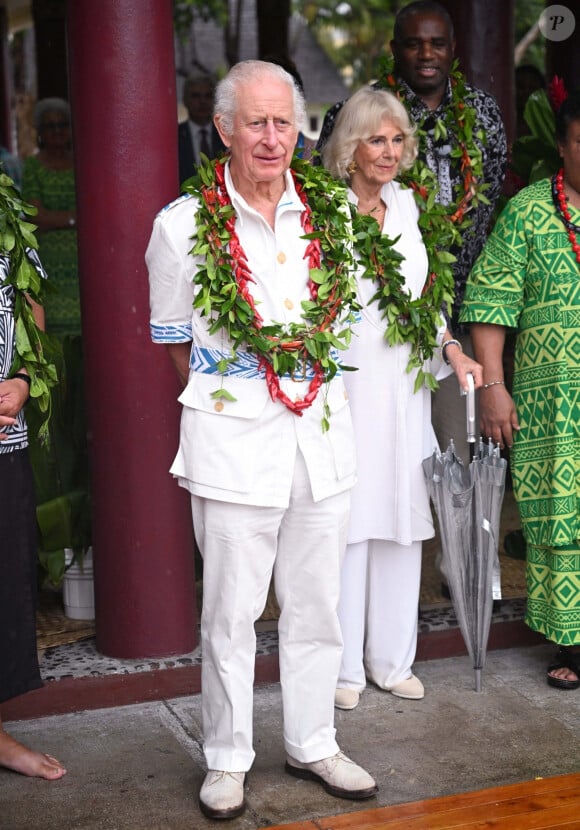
(450, 342)
(493, 383)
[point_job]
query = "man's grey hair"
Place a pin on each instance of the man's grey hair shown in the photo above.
(226, 100)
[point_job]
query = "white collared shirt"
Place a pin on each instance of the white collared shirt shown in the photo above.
(245, 450)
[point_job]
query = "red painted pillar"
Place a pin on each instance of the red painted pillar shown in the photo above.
(122, 82)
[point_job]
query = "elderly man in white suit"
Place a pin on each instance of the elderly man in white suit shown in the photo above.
(266, 453)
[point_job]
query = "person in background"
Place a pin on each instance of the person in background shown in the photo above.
(266, 446)
(48, 183)
(19, 671)
(371, 143)
(198, 134)
(526, 278)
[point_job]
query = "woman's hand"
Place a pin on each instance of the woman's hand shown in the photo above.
(463, 365)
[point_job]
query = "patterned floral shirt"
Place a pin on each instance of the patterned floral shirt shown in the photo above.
(436, 155)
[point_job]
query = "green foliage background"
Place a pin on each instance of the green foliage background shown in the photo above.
(355, 33)
(367, 26)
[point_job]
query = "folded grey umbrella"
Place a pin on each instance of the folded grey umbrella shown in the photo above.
(467, 501)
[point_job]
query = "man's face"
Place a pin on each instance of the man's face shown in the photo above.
(424, 53)
(265, 132)
(199, 102)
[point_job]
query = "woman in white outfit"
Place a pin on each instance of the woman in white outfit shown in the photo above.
(371, 142)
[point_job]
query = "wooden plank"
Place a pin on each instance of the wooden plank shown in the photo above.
(542, 804)
(526, 817)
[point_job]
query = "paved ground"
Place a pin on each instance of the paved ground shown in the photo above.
(140, 767)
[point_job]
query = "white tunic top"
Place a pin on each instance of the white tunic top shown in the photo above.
(393, 431)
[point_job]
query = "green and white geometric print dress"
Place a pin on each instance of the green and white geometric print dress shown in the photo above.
(527, 277)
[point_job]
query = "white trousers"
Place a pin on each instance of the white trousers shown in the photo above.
(241, 546)
(378, 612)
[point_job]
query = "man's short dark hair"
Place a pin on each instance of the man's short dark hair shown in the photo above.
(421, 7)
(198, 79)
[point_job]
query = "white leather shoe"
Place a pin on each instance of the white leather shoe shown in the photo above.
(338, 775)
(411, 689)
(222, 794)
(346, 698)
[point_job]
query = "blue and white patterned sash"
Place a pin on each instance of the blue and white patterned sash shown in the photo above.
(245, 366)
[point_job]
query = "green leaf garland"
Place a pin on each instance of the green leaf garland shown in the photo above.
(417, 321)
(414, 321)
(224, 281)
(457, 124)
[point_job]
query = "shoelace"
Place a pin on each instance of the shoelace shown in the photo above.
(221, 774)
(331, 762)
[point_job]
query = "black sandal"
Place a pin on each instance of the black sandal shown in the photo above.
(565, 659)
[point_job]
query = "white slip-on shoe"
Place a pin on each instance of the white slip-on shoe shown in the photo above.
(411, 689)
(222, 794)
(346, 698)
(338, 775)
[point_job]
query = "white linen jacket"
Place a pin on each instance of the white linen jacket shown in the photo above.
(244, 451)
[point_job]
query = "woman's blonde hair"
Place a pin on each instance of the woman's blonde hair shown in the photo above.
(359, 119)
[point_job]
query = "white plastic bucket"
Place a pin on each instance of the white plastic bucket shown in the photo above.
(78, 590)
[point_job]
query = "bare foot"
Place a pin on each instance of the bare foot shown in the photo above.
(17, 757)
(564, 674)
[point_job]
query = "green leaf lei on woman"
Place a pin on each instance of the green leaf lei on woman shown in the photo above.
(417, 321)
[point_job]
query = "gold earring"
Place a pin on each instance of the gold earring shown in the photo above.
(352, 168)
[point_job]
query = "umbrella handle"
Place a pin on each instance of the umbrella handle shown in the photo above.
(470, 408)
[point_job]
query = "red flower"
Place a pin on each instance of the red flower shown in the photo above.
(557, 93)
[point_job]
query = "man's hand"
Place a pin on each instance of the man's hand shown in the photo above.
(497, 415)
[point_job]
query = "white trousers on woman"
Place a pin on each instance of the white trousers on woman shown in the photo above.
(378, 612)
(241, 545)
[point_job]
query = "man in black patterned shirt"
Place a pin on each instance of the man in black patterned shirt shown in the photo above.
(423, 46)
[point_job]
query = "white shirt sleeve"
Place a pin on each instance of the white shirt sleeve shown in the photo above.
(171, 271)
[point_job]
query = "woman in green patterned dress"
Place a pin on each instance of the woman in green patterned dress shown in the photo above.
(528, 278)
(48, 183)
